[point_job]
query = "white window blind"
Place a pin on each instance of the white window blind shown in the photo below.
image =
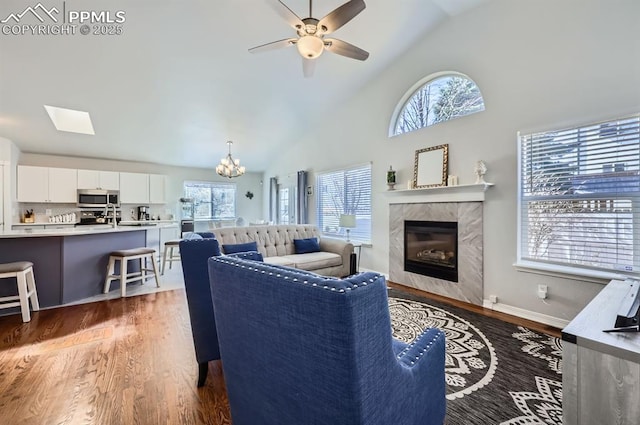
(346, 191)
(580, 194)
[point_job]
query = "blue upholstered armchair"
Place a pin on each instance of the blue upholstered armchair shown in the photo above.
(302, 349)
(194, 254)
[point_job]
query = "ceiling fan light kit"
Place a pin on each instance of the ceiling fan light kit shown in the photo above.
(311, 31)
(310, 46)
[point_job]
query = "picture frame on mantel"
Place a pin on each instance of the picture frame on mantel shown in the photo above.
(431, 167)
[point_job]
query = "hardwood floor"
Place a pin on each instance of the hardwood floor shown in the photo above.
(124, 361)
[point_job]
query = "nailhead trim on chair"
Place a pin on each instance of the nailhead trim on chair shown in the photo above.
(424, 349)
(264, 269)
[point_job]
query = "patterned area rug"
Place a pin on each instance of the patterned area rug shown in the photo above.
(496, 372)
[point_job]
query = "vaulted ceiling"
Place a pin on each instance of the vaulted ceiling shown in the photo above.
(179, 81)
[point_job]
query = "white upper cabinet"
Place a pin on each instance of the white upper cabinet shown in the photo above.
(43, 184)
(134, 188)
(63, 185)
(157, 189)
(95, 179)
(33, 184)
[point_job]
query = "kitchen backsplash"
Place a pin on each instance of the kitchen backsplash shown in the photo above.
(42, 212)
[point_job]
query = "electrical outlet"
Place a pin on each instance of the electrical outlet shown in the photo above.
(542, 292)
(47, 212)
(493, 298)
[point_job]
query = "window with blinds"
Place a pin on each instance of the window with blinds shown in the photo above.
(580, 196)
(346, 191)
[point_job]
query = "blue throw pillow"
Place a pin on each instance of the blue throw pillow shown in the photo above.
(239, 247)
(304, 246)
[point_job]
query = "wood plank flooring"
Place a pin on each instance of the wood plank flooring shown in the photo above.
(124, 361)
(118, 362)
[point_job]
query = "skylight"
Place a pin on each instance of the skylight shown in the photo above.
(70, 120)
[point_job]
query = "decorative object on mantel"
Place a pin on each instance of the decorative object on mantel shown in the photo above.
(431, 167)
(452, 181)
(249, 194)
(409, 184)
(347, 221)
(228, 166)
(480, 170)
(391, 178)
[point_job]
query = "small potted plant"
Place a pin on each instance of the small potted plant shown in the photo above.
(391, 178)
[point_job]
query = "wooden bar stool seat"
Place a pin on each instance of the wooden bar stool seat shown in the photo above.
(171, 253)
(124, 256)
(23, 272)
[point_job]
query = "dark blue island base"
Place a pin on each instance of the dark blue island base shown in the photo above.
(67, 268)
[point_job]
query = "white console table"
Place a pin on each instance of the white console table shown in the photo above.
(600, 371)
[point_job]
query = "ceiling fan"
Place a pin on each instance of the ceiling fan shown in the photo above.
(311, 41)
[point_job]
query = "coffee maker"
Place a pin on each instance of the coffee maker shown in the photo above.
(143, 212)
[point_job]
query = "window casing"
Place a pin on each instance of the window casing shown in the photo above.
(215, 201)
(579, 196)
(434, 99)
(345, 191)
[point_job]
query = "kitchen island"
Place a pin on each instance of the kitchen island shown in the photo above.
(69, 264)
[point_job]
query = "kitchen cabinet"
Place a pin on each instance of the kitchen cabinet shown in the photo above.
(157, 191)
(43, 184)
(134, 188)
(96, 179)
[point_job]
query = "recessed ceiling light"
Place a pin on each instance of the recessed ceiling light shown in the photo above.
(70, 120)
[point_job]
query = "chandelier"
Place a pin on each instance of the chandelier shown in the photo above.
(228, 166)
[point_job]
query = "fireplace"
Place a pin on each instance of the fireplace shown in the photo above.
(431, 248)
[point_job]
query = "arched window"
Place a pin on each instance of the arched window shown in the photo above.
(436, 98)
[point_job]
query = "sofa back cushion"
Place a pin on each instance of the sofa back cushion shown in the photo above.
(271, 240)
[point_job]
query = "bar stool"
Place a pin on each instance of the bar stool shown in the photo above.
(170, 254)
(23, 272)
(171, 246)
(124, 255)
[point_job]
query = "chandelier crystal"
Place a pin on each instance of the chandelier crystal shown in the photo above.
(230, 167)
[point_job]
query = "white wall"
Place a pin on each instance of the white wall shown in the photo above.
(9, 155)
(250, 210)
(540, 65)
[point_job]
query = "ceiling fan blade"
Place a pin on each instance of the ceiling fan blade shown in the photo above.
(308, 67)
(273, 45)
(340, 16)
(286, 13)
(343, 48)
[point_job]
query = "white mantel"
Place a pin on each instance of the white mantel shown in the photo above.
(459, 193)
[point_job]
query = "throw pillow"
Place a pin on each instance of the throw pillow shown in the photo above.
(304, 246)
(192, 235)
(239, 247)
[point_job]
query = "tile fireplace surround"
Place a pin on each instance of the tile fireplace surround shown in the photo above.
(469, 287)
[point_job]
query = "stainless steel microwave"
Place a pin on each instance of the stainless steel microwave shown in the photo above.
(97, 198)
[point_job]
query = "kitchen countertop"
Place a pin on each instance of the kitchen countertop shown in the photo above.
(84, 230)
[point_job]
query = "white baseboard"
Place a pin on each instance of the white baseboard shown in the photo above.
(526, 314)
(508, 309)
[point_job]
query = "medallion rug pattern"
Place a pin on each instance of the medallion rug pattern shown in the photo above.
(495, 372)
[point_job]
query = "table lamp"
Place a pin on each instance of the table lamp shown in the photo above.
(347, 221)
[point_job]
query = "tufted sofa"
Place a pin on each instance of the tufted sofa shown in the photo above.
(303, 349)
(275, 243)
